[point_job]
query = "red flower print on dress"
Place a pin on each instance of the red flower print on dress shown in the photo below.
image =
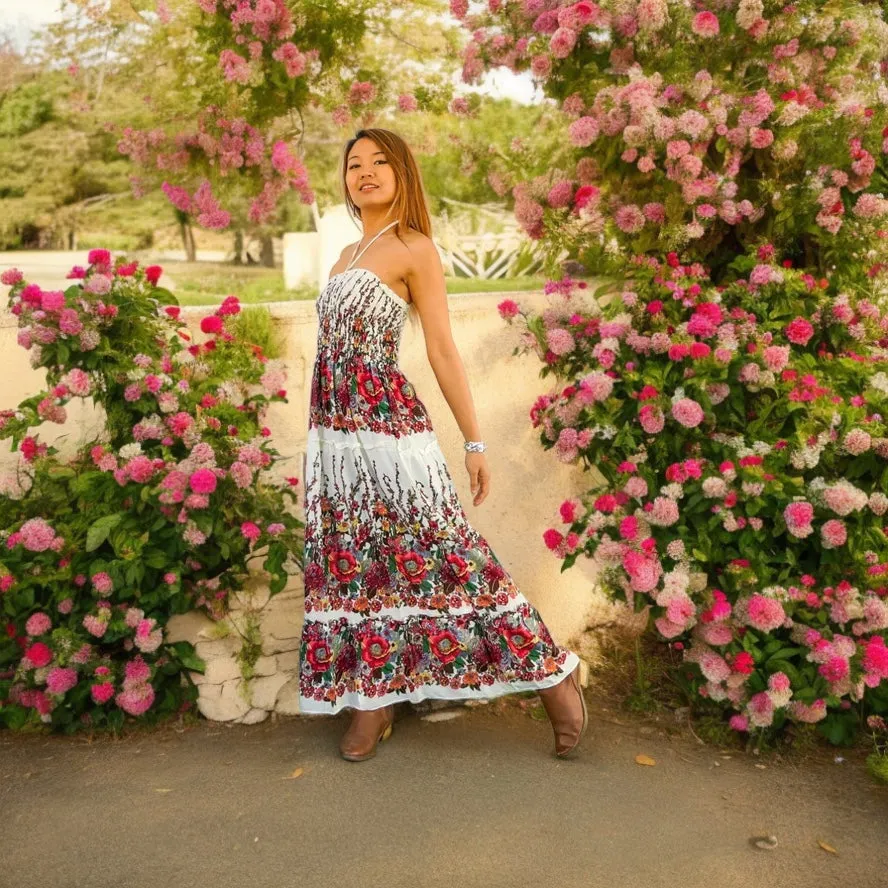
(319, 655)
(370, 387)
(412, 565)
(445, 646)
(520, 640)
(344, 565)
(458, 567)
(375, 650)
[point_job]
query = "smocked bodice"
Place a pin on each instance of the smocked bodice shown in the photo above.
(359, 314)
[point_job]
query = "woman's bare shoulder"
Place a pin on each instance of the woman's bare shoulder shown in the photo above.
(413, 237)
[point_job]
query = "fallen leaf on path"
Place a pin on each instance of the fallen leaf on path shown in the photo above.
(827, 848)
(761, 767)
(645, 760)
(764, 843)
(297, 773)
(163, 790)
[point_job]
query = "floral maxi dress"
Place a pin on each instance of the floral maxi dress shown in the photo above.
(404, 599)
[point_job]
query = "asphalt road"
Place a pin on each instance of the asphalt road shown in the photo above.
(474, 801)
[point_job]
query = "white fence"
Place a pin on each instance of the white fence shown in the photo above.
(309, 256)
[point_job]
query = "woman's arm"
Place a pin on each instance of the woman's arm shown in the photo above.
(425, 278)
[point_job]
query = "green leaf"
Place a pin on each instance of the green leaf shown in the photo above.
(99, 530)
(188, 657)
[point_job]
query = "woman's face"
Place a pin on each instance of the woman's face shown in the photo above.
(366, 166)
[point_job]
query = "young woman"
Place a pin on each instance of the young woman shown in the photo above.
(404, 599)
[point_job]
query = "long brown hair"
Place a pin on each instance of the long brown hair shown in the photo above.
(409, 207)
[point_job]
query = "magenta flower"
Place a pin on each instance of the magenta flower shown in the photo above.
(203, 481)
(799, 331)
(101, 693)
(61, 680)
(251, 531)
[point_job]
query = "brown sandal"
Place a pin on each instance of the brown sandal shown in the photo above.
(359, 741)
(559, 702)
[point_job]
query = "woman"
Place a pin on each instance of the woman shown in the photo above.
(404, 599)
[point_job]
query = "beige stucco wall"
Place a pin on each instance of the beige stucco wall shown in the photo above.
(528, 483)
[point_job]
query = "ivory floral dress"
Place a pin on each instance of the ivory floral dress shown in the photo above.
(404, 599)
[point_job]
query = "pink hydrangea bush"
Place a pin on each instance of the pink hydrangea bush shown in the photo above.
(743, 498)
(732, 395)
(97, 553)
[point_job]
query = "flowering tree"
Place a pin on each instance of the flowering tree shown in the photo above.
(161, 514)
(254, 71)
(725, 162)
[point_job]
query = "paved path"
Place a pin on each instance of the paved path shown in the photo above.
(471, 802)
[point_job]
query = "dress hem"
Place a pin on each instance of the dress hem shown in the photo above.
(310, 706)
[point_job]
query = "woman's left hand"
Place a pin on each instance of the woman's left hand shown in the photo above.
(479, 476)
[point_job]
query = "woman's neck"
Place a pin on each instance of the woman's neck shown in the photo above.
(374, 221)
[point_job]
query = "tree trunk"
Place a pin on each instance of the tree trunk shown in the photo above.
(192, 246)
(187, 240)
(238, 247)
(266, 256)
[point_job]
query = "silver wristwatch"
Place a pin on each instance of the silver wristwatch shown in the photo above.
(475, 446)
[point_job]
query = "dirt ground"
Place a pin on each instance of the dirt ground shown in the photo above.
(473, 799)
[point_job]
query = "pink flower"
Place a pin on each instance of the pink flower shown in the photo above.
(833, 534)
(102, 693)
(664, 512)
(61, 680)
(53, 300)
(765, 614)
(776, 357)
(651, 419)
(875, 661)
(705, 24)
(102, 583)
(38, 655)
(234, 66)
(629, 527)
(562, 42)
(36, 535)
(761, 710)
(739, 723)
(798, 517)
(203, 481)
(644, 571)
(407, 103)
(137, 670)
(629, 218)
(136, 699)
(211, 324)
(552, 538)
(78, 382)
(598, 385)
(508, 308)
(583, 132)
(95, 626)
(250, 531)
(808, 714)
(560, 341)
(38, 624)
(688, 413)
(834, 669)
(799, 331)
